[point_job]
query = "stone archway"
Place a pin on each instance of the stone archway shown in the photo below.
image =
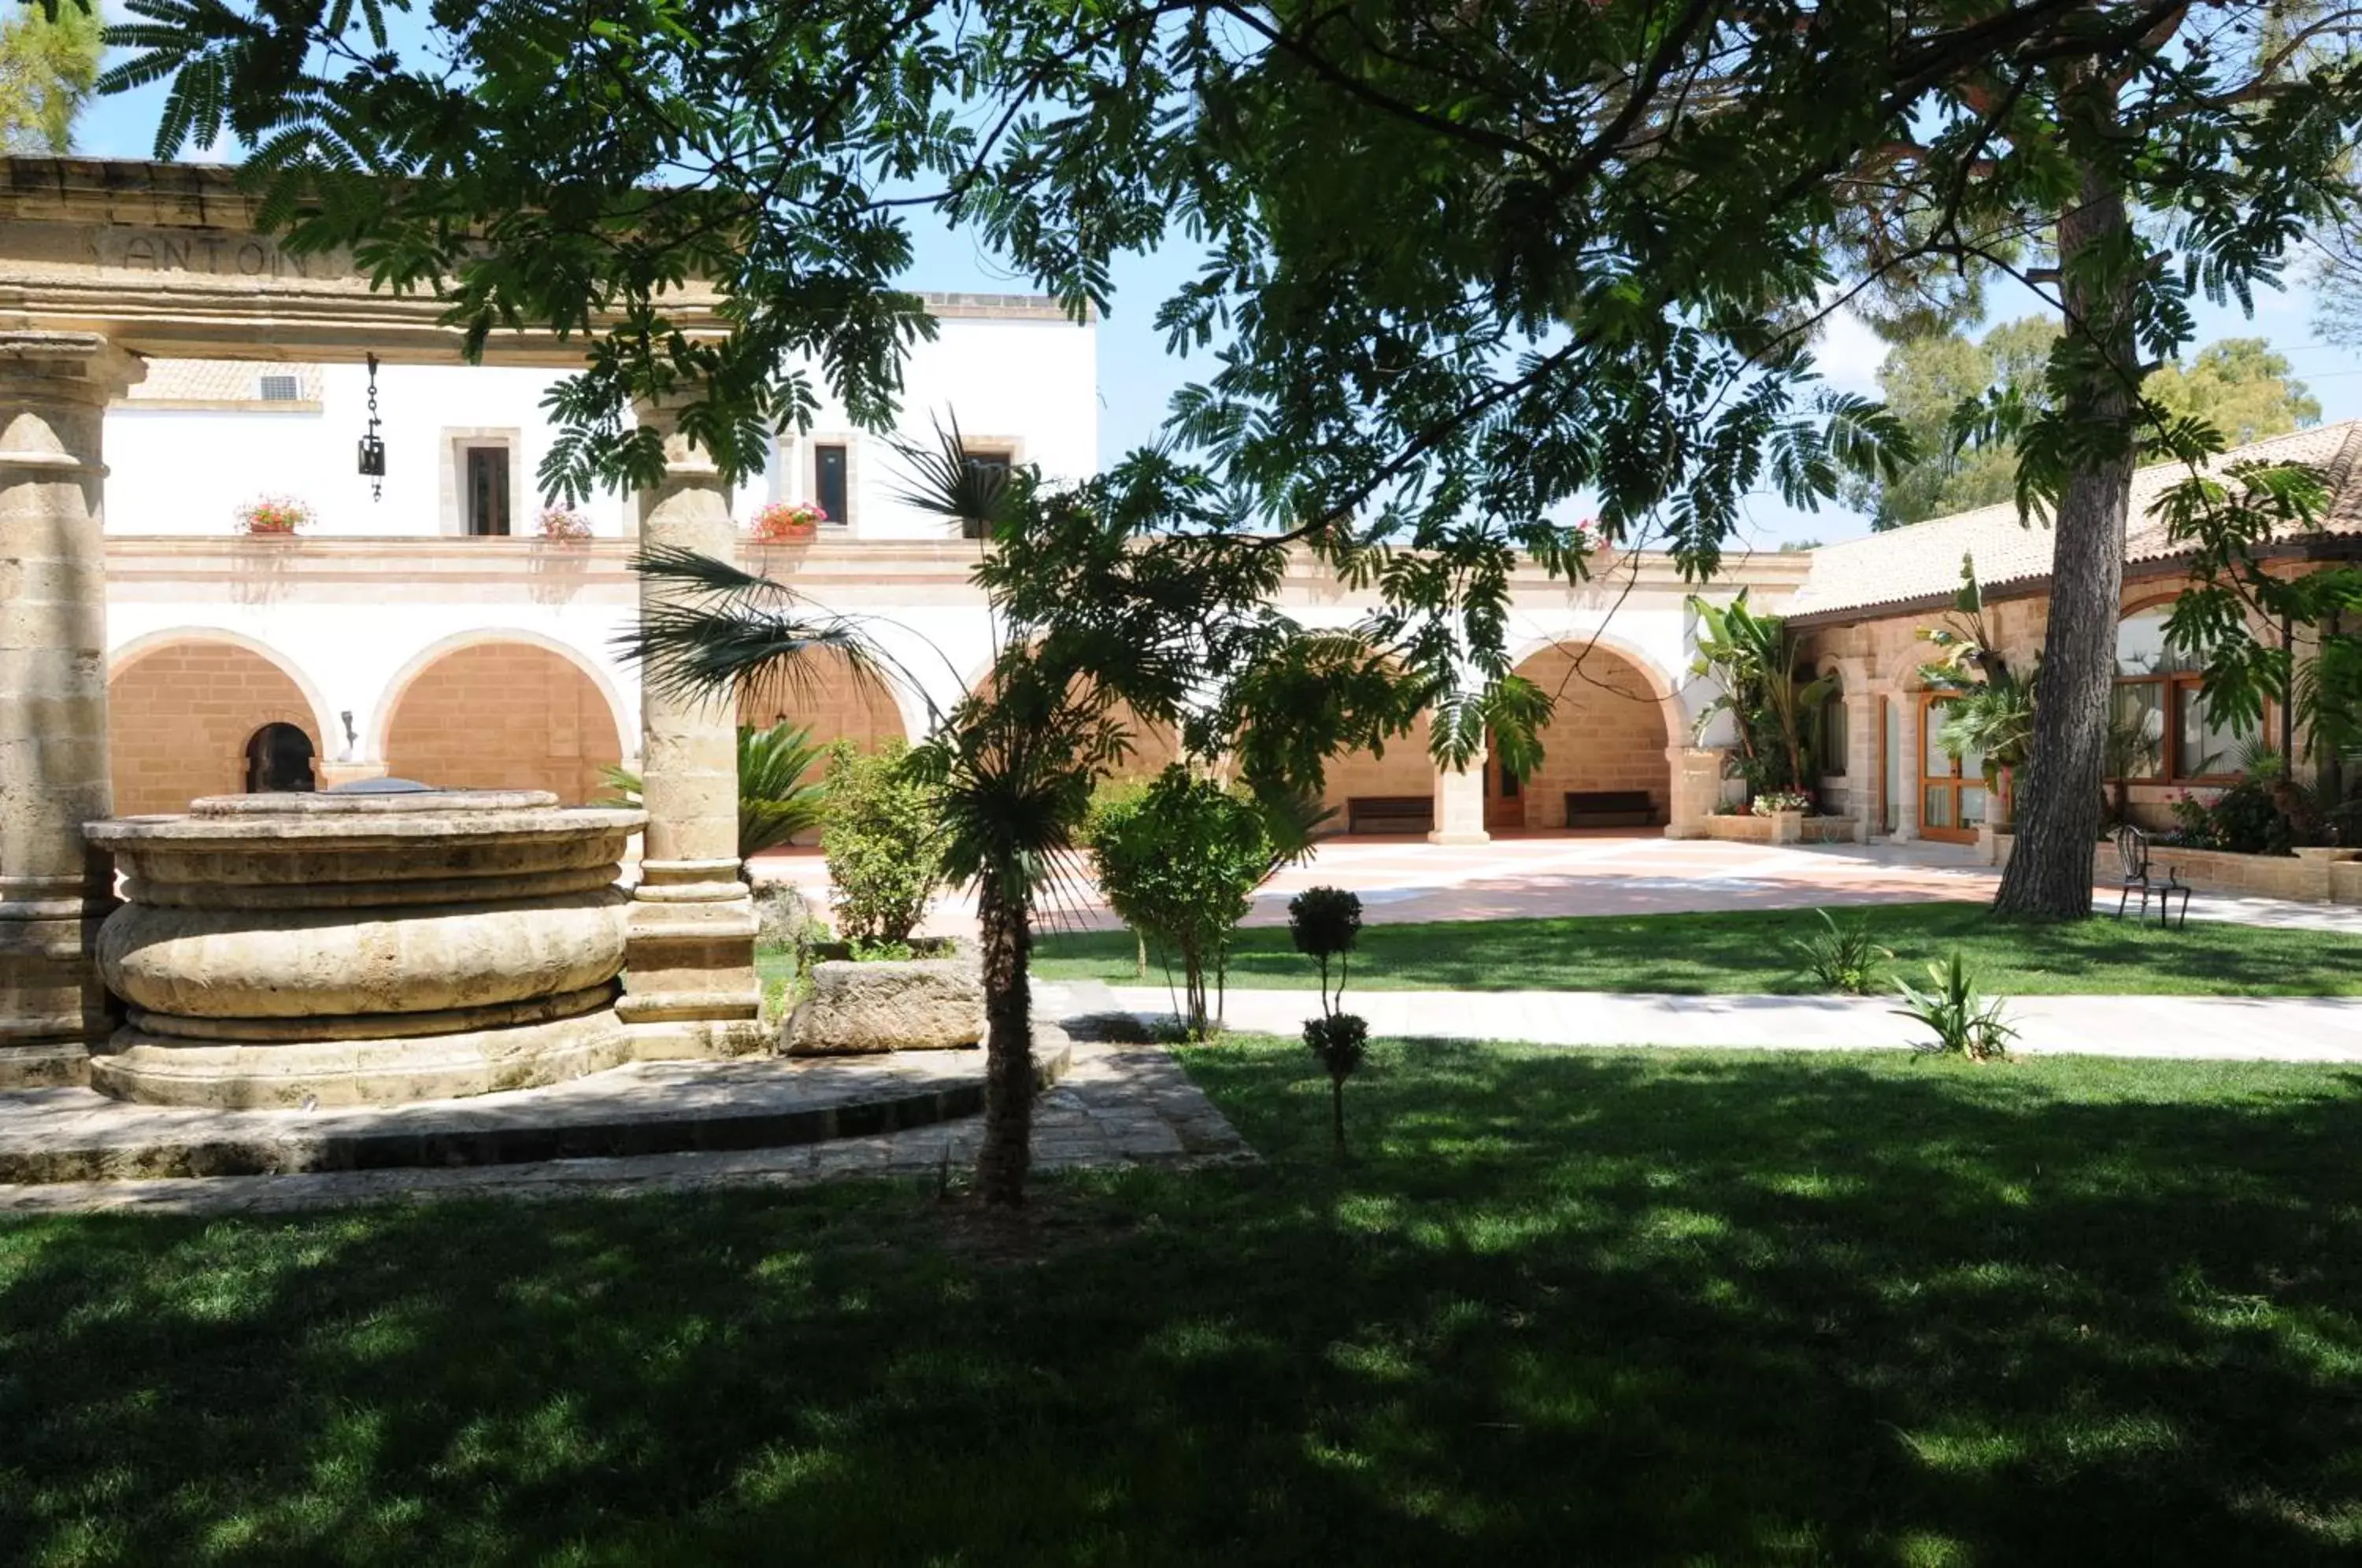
(1153, 747)
(831, 700)
(1403, 773)
(1607, 733)
(502, 713)
(107, 264)
(182, 710)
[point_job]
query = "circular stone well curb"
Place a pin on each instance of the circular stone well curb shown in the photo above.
(651, 1108)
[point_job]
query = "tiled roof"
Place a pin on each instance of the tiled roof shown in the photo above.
(1922, 561)
(219, 382)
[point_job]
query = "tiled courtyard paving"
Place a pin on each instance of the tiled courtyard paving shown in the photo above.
(1407, 880)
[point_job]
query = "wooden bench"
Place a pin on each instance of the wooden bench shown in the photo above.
(1389, 813)
(1610, 807)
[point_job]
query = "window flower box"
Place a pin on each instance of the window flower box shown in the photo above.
(273, 517)
(787, 522)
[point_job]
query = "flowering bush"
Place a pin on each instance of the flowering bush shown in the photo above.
(787, 520)
(274, 514)
(564, 525)
(1772, 800)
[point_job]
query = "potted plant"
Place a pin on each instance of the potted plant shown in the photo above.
(787, 522)
(273, 517)
(564, 526)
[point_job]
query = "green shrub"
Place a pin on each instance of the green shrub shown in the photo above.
(1179, 861)
(1325, 924)
(775, 803)
(1339, 1040)
(883, 845)
(1965, 1022)
(1842, 957)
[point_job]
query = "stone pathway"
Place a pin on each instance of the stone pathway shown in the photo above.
(2278, 1029)
(1118, 1105)
(649, 1108)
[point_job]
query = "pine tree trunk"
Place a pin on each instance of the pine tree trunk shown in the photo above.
(2049, 871)
(1008, 1153)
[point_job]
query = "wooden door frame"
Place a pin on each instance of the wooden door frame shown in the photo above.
(1956, 781)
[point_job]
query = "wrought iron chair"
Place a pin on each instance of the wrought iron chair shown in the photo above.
(2132, 850)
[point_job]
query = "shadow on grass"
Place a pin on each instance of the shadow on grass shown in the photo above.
(1572, 1306)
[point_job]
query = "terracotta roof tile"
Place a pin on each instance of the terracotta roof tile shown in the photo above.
(221, 380)
(1922, 561)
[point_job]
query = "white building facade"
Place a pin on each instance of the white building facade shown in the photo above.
(432, 631)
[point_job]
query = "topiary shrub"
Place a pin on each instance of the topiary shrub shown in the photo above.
(882, 841)
(1179, 861)
(1326, 924)
(1339, 1040)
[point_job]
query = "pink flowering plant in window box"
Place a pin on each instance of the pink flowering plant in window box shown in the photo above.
(273, 517)
(564, 526)
(785, 521)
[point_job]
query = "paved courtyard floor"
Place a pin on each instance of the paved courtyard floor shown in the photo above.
(1404, 880)
(2276, 1029)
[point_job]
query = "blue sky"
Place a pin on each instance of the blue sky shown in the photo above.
(1137, 378)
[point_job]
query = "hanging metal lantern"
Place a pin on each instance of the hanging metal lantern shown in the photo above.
(373, 448)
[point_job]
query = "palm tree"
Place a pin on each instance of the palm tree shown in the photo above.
(1753, 658)
(775, 803)
(1137, 598)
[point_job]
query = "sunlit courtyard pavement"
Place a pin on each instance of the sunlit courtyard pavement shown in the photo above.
(1404, 880)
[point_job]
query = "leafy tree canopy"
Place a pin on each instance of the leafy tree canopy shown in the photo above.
(2239, 385)
(49, 63)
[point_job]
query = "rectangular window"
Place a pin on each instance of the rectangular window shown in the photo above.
(1837, 738)
(993, 466)
(829, 483)
(2137, 730)
(2202, 750)
(2158, 730)
(487, 491)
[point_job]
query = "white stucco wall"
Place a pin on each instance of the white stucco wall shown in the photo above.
(1027, 385)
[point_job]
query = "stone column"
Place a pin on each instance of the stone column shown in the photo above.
(54, 889)
(1697, 775)
(1460, 804)
(688, 979)
(1906, 816)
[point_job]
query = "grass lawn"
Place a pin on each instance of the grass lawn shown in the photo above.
(1574, 1308)
(1747, 951)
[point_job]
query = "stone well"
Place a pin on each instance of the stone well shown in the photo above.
(362, 949)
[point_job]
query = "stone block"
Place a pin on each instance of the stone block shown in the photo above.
(923, 1004)
(784, 912)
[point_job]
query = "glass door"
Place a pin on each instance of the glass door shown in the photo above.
(1951, 789)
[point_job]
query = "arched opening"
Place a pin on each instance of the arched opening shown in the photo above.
(503, 715)
(1153, 747)
(181, 715)
(279, 761)
(828, 698)
(1388, 792)
(1605, 745)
